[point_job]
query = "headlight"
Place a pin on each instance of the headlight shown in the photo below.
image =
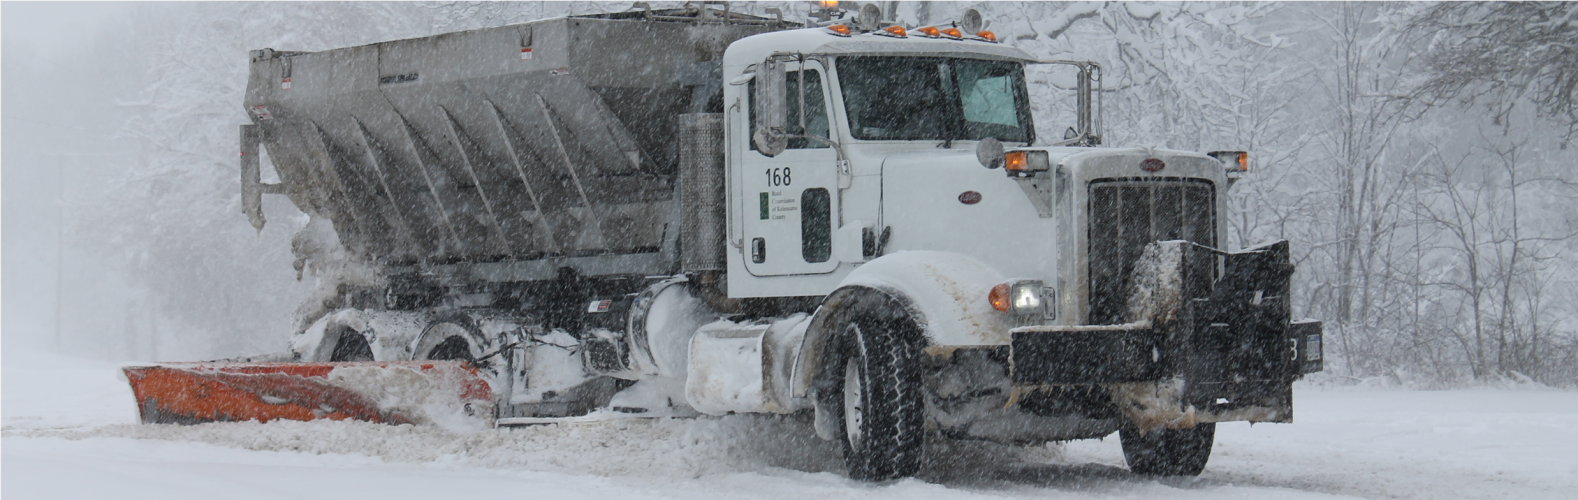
(1022, 297)
(1026, 297)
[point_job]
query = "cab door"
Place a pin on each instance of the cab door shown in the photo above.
(790, 201)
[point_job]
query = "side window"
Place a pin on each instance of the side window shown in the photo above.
(815, 109)
(816, 225)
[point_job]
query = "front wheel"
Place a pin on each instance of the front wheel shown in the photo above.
(880, 409)
(1168, 452)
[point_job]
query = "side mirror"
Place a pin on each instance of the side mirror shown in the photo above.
(990, 153)
(1070, 134)
(770, 137)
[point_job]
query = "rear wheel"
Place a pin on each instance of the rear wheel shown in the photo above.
(452, 348)
(351, 346)
(1168, 452)
(448, 340)
(880, 407)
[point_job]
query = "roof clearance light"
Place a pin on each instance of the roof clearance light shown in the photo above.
(897, 31)
(839, 29)
(953, 33)
(1243, 161)
(828, 4)
(988, 36)
(930, 31)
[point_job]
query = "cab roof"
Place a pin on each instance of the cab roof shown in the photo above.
(813, 41)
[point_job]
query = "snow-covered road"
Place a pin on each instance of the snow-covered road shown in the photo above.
(70, 432)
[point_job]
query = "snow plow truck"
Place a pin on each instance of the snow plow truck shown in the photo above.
(693, 211)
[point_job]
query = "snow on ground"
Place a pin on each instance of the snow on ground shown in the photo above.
(70, 431)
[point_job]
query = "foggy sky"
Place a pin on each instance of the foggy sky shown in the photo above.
(59, 97)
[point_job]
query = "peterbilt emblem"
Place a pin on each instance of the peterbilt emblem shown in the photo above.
(1152, 165)
(969, 197)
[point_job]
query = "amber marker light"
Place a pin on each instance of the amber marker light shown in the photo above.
(839, 29)
(1016, 161)
(897, 31)
(828, 4)
(953, 33)
(999, 297)
(988, 36)
(930, 31)
(1235, 161)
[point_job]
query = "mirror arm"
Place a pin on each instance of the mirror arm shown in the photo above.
(837, 149)
(1089, 123)
(1075, 141)
(800, 89)
(1100, 109)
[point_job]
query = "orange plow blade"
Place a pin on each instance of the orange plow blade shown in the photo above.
(393, 392)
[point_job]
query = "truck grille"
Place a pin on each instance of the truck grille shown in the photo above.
(1126, 215)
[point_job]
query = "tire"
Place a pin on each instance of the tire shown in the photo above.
(1168, 452)
(877, 403)
(453, 347)
(448, 339)
(351, 346)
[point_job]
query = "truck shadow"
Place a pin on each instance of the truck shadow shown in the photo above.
(987, 466)
(1057, 476)
(1087, 477)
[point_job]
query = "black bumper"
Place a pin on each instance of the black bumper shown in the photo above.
(1142, 354)
(1235, 338)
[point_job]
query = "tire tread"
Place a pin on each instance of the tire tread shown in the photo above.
(894, 409)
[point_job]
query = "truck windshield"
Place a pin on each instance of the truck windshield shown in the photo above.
(933, 98)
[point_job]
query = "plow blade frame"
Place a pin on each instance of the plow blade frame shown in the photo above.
(192, 393)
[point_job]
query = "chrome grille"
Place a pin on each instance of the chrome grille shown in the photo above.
(1126, 215)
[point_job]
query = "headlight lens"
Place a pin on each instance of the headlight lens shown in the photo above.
(1026, 297)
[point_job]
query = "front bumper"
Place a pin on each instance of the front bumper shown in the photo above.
(1058, 355)
(1227, 350)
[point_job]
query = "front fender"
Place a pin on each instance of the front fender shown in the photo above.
(945, 293)
(949, 291)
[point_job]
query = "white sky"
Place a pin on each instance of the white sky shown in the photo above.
(46, 51)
